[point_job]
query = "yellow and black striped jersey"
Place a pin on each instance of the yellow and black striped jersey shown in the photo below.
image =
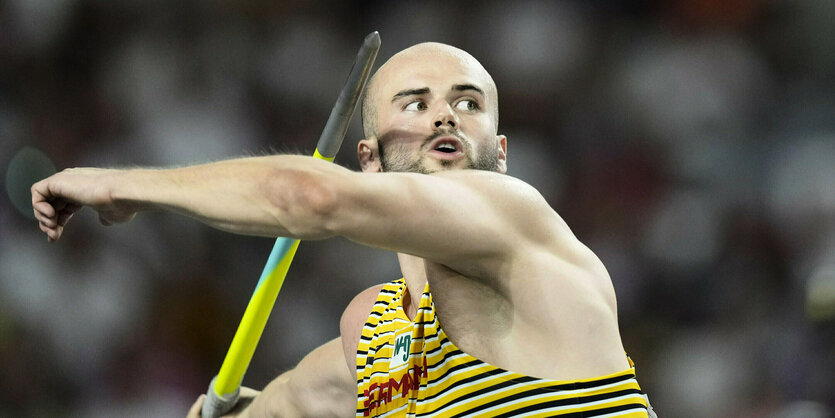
(410, 368)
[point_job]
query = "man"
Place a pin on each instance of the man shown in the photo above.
(528, 312)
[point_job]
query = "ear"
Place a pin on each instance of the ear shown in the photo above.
(369, 156)
(502, 154)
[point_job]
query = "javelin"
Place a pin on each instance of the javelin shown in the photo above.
(225, 387)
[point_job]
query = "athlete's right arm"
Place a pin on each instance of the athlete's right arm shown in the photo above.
(320, 386)
(324, 382)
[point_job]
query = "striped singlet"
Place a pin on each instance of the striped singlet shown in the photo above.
(410, 368)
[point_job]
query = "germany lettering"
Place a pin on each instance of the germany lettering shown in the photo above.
(378, 394)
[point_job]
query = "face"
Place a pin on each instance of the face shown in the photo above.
(434, 109)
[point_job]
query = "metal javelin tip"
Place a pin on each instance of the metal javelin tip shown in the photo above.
(340, 117)
(372, 40)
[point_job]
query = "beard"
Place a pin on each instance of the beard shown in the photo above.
(396, 158)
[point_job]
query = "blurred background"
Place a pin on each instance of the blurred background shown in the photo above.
(689, 143)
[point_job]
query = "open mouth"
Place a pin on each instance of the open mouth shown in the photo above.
(446, 148)
(447, 145)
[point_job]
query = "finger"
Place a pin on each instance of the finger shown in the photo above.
(40, 193)
(47, 228)
(194, 412)
(49, 221)
(52, 234)
(43, 221)
(37, 215)
(45, 208)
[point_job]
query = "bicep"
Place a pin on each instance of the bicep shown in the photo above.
(427, 216)
(453, 216)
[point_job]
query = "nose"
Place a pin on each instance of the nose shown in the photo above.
(446, 116)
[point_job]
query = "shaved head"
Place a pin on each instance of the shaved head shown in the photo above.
(425, 55)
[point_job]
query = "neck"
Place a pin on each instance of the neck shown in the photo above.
(414, 271)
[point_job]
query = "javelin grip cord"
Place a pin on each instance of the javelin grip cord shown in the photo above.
(224, 389)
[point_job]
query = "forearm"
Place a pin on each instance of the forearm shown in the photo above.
(271, 196)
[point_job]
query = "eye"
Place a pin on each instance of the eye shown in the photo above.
(415, 106)
(468, 105)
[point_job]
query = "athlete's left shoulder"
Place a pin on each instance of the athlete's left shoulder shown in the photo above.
(496, 183)
(521, 206)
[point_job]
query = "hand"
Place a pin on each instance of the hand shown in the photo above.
(56, 198)
(241, 409)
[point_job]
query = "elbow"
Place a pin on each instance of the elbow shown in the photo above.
(305, 204)
(321, 204)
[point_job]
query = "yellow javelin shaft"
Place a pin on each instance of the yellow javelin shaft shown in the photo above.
(224, 389)
(257, 312)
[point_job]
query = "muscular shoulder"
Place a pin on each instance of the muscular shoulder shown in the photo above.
(503, 189)
(353, 319)
(519, 208)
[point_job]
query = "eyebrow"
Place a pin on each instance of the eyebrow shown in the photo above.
(465, 87)
(410, 92)
(425, 90)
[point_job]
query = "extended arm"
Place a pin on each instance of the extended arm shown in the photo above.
(271, 196)
(324, 382)
(457, 215)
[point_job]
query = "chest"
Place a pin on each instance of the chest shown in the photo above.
(474, 316)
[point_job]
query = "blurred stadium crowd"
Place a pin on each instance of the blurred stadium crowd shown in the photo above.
(689, 143)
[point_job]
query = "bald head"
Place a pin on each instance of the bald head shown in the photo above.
(425, 59)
